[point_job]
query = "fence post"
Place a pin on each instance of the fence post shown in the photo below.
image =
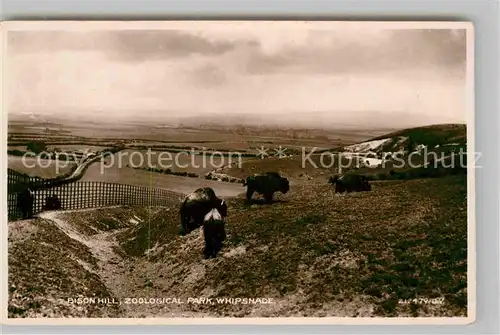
(106, 194)
(72, 195)
(93, 196)
(115, 198)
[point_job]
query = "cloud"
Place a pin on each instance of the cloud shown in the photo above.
(154, 44)
(239, 71)
(392, 50)
(267, 52)
(123, 45)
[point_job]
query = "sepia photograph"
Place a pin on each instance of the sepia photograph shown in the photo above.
(239, 170)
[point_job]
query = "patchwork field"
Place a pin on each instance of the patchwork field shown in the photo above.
(137, 138)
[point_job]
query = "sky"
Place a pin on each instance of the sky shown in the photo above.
(344, 73)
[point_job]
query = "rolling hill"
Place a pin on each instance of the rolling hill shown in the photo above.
(411, 139)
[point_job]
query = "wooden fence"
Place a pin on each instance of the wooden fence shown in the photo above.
(89, 194)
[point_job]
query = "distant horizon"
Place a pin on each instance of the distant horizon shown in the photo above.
(194, 122)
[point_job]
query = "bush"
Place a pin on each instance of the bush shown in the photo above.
(36, 147)
(15, 152)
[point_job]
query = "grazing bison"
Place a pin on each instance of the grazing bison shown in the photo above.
(350, 183)
(214, 233)
(25, 201)
(198, 204)
(266, 184)
(52, 203)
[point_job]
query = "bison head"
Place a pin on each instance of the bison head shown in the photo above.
(333, 179)
(223, 209)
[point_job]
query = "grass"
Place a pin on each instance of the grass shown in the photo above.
(46, 267)
(405, 239)
(314, 252)
(433, 135)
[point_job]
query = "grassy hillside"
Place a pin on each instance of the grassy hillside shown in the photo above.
(46, 267)
(405, 239)
(432, 135)
(315, 253)
(445, 154)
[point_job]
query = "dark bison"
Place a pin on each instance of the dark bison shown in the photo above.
(25, 200)
(198, 204)
(350, 183)
(214, 232)
(52, 203)
(266, 184)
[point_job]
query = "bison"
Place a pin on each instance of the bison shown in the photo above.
(25, 200)
(198, 204)
(266, 184)
(350, 183)
(214, 233)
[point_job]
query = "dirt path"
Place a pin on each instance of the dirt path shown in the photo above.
(128, 278)
(113, 268)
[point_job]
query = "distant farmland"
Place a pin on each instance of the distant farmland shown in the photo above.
(46, 168)
(175, 161)
(126, 175)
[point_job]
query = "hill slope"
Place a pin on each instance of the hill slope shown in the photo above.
(411, 139)
(313, 252)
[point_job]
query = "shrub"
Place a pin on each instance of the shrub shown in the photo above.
(36, 146)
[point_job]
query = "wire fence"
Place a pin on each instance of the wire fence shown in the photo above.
(86, 194)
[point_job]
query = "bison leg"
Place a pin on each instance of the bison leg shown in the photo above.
(249, 194)
(268, 197)
(220, 237)
(217, 247)
(208, 251)
(223, 233)
(184, 229)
